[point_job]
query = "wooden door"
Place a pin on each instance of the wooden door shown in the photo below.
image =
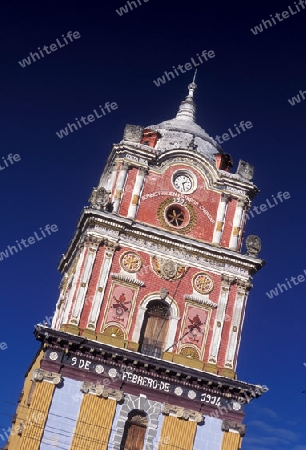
(134, 438)
(155, 329)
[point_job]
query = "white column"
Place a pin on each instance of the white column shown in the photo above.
(119, 186)
(111, 179)
(75, 280)
(136, 193)
(103, 279)
(241, 297)
(219, 320)
(233, 245)
(56, 321)
(79, 303)
(225, 198)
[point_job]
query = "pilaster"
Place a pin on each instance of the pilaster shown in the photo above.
(119, 186)
(233, 245)
(242, 292)
(80, 260)
(93, 244)
(136, 192)
(221, 213)
(99, 295)
(219, 323)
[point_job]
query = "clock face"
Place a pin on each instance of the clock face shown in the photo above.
(183, 183)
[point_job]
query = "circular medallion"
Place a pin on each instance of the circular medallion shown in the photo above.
(203, 283)
(130, 262)
(53, 356)
(176, 215)
(236, 406)
(191, 395)
(178, 391)
(99, 368)
(112, 373)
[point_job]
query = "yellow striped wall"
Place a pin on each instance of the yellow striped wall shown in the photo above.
(94, 423)
(231, 441)
(38, 412)
(22, 411)
(177, 434)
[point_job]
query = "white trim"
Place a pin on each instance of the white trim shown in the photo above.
(74, 283)
(236, 320)
(220, 317)
(101, 286)
(233, 245)
(136, 192)
(83, 287)
(221, 213)
(119, 187)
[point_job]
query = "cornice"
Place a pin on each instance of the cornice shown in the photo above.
(219, 180)
(124, 231)
(189, 377)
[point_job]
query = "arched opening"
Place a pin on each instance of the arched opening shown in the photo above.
(154, 329)
(134, 431)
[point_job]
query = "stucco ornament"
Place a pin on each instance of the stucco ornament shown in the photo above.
(99, 198)
(167, 269)
(245, 170)
(253, 245)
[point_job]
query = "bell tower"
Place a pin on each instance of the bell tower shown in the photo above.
(142, 351)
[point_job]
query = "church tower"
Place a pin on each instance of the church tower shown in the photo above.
(142, 350)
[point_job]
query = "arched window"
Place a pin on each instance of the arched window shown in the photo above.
(134, 431)
(154, 328)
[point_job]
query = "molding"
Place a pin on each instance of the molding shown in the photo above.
(201, 300)
(182, 413)
(49, 377)
(127, 279)
(101, 391)
(152, 238)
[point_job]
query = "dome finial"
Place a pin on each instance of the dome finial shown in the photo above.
(187, 108)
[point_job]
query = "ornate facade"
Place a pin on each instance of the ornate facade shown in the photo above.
(143, 347)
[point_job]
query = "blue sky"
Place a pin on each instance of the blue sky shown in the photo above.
(116, 59)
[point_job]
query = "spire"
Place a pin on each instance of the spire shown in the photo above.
(187, 108)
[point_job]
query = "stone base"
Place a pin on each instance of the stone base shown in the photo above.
(211, 368)
(189, 362)
(70, 328)
(90, 334)
(229, 373)
(168, 356)
(132, 345)
(116, 342)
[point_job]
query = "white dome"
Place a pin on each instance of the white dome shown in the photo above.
(184, 132)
